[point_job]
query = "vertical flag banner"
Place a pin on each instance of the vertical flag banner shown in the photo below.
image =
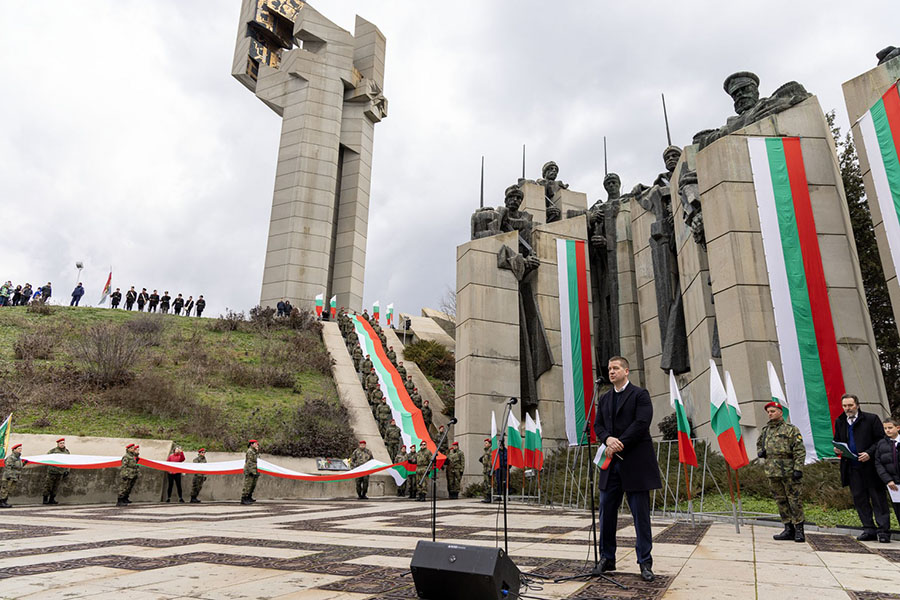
(803, 319)
(539, 450)
(734, 409)
(376, 310)
(530, 441)
(495, 440)
(777, 391)
(575, 328)
(333, 306)
(390, 314)
(320, 304)
(686, 453)
(4, 436)
(880, 129)
(106, 288)
(514, 455)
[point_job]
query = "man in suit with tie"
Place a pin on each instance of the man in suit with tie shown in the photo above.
(887, 460)
(862, 431)
(623, 424)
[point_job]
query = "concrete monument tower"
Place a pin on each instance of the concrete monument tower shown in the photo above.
(326, 84)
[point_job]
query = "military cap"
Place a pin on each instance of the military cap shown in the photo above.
(513, 190)
(547, 165)
(735, 81)
(455, 444)
(671, 150)
(202, 450)
(60, 440)
(612, 176)
(487, 439)
(252, 442)
(362, 441)
(17, 446)
(775, 404)
(129, 446)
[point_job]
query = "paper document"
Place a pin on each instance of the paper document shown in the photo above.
(895, 496)
(844, 449)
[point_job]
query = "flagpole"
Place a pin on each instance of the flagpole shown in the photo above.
(737, 480)
(737, 528)
(687, 486)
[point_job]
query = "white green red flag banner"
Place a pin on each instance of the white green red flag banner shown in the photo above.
(376, 310)
(406, 415)
(686, 452)
(777, 391)
(400, 471)
(333, 306)
(880, 129)
(725, 421)
(390, 314)
(575, 329)
(807, 342)
(602, 458)
(495, 441)
(106, 288)
(515, 456)
(320, 304)
(735, 409)
(4, 436)
(534, 455)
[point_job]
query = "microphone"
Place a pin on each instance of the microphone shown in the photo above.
(512, 401)
(454, 421)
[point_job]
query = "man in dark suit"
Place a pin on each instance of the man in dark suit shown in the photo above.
(887, 461)
(623, 424)
(862, 431)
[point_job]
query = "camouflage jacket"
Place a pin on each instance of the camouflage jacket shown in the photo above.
(200, 459)
(409, 385)
(411, 456)
(456, 462)
(392, 356)
(401, 457)
(426, 414)
(129, 468)
(13, 467)
(486, 461)
(383, 412)
(392, 434)
(366, 365)
(250, 461)
(54, 469)
(360, 457)
(784, 449)
(402, 370)
(422, 459)
(371, 381)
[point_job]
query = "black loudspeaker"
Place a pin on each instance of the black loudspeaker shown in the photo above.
(453, 571)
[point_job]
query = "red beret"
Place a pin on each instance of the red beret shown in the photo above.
(60, 440)
(136, 446)
(362, 441)
(202, 450)
(455, 444)
(252, 442)
(129, 446)
(487, 439)
(775, 404)
(17, 446)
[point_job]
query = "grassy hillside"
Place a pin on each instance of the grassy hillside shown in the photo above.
(200, 382)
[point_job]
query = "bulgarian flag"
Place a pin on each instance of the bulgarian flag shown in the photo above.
(602, 458)
(4, 436)
(333, 306)
(532, 442)
(777, 391)
(803, 319)
(495, 441)
(320, 304)
(539, 450)
(686, 453)
(106, 288)
(390, 314)
(376, 310)
(725, 421)
(575, 328)
(514, 454)
(735, 406)
(401, 471)
(880, 129)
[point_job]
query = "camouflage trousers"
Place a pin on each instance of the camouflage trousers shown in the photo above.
(787, 497)
(487, 485)
(249, 485)
(197, 485)
(422, 482)
(454, 478)
(125, 486)
(51, 483)
(8, 488)
(362, 486)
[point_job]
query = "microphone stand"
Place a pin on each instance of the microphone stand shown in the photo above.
(500, 447)
(434, 481)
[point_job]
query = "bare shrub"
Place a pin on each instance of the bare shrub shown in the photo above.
(156, 395)
(303, 350)
(230, 321)
(247, 375)
(262, 319)
(109, 355)
(147, 329)
(37, 307)
(42, 422)
(303, 320)
(140, 432)
(33, 345)
(318, 427)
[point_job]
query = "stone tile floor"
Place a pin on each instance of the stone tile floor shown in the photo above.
(347, 550)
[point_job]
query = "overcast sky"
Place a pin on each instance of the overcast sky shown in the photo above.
(127, 143)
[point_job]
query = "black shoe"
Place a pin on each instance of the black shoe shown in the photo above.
(251, 499)
(46, 500)
(52, 500)
(364, 497)
(606, 565)
(787, 534)
(168, 499)
(121, 502)
(245, 500)
(486, 501)
(647, 571)
(194, 500)
(799, 535)
(884, 538)
(181, 500)
(4, 503)
(867, 536)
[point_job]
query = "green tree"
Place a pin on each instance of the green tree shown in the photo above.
(878, 300)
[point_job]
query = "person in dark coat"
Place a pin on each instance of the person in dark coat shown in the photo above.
(142, 299)
(26, 294)
(887, 460)
(862, 431)
(177, 305)
(77, 293)
(130, 297)
(189, 306)
(623, 424)
(115, 298)
(153, 301)
(46, 292)
(201, 304)
(279, 308)
(164, 303)
(17, 296)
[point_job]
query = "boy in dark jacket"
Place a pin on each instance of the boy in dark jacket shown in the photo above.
(887, 459)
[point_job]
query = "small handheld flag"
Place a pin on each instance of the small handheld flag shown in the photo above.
(602, 459)
(320, 304)
(333, 306)
(390, 314)
(376, 310)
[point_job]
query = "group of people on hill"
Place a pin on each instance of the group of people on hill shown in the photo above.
(21, 295)
(387, 426)
(153, 302)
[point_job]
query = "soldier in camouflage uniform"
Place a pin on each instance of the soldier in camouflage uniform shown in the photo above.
(392, 438)
(11, 471)
(445, 443)
(375, 401)
(402, 370)
(400, 458)
(410, 386)
(251, 473)
(410, 481)
(55, 474)
(197, 481)
(352, 340)
(357, 356)
(781, 445)
(486, 470)
(426, 414)
(392, 356)
(416, 398)
(128, 473)
(456, 464)
(371, 384)
(383, 415)
(361, 456)
(366, 365)
(423, 459)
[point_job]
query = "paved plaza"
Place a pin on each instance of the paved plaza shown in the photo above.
(348, 550)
